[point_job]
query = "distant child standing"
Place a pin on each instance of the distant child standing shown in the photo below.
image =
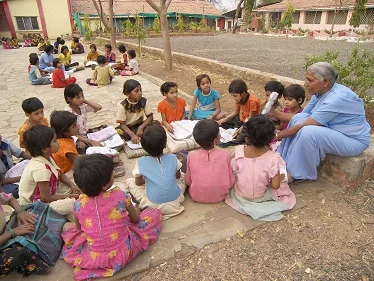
(102, 75)
(209, 106)
(172, 107)
(133, 67)
(58, 75)
(34, 111)
(65, 58)
(259, 190)
(36, 76)
(155, 182)
(108, 231)
(92, 55)
(131, 112)
(80, 106)
(65, 125)
(209, 174)
(110, 57)
(41, 178)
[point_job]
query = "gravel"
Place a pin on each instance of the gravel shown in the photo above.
(279, 55)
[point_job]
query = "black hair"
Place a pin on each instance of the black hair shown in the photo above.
(205, 132)
(259, 131)
(131, 53)
(61, 121)
(37, 138)
(76, 40)
(55, 62)
(108, 46)
(58, 39)
(33, 55)
(121, 48)
(153, 140)
(92, 172)
(238, 86)
(165, 88)
(72, 91)
(62, 41)
(101, 59)
(63, 48)
(93, 46)
(48, 48)
(275, 86)
(31, 105)
(296, 92)
(200, 77)
(130, 85)
(33, 59)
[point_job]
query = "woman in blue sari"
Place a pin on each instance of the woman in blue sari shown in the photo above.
(333, 122)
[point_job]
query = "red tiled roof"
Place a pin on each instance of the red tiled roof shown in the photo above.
(309, 4)
(141, 6)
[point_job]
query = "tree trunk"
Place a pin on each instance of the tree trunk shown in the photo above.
(237, 16)
(166, 40)
(108, 25)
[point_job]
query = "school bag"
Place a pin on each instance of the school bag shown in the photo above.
(46, 240)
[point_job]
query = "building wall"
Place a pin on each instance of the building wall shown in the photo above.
(57, 17)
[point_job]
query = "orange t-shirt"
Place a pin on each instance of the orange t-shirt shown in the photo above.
(27, 125)
(251, 105)
(67, 145)
(176, 114)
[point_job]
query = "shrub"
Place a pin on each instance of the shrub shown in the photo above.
(156, 26)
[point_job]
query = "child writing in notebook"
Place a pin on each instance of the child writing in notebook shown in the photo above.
(259, 190)
(209, 174)
(172, 107)
(207, 100)
(131, 112)
(102, 75)
(79, 106)
(65, 125)
(65, 58)
(91, 56)
(155, 182)
(58, 75)
(109, 231)
(41, 178)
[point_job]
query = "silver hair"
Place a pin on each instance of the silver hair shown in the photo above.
(324, 70)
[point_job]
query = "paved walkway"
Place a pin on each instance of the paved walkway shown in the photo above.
(197, 226)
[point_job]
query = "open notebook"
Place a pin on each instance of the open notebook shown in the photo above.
(107, 137)
(182, 129)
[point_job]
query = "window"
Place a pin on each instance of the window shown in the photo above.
(338, 17)
(296, 17)
(313, 17)
(27, 23)
(368, 18)
(275, 18)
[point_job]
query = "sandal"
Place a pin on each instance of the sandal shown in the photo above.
(119, 169)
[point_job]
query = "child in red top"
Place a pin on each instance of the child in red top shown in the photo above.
(58, 76)
(172, 107)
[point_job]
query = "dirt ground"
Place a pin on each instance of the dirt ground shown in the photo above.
(330, 239)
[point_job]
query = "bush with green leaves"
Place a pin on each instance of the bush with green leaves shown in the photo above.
(357, 73)
(156, 26)
(87, 28)
(127, 25)
(180, 24)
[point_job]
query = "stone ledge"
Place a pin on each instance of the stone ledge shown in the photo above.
(349, 172)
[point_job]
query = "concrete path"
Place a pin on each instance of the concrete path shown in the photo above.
(197, 226)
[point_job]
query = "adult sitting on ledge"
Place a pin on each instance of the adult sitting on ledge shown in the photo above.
(333, 122)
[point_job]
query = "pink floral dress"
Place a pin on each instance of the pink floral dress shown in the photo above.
(107, 240)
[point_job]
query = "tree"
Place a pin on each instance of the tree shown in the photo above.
(139, 32)
(238, 8)
(338, 6)
(358, 12)
(248, 5)
(162, 10)
(108, 24)
(287, 17)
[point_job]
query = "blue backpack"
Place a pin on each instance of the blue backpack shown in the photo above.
(46, 240)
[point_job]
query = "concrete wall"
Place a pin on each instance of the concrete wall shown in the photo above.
(57, 17)
(24, 8)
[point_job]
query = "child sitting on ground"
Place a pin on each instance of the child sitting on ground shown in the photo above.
(65, 58)
(259, 190)
(155, 182)
(7, 150)
(78, 47)
(172, 107)
(65, 125)
(58, 75)
(91, 56)
(108, 232)
(27, 42)
(80, 106)
(16, 257)
(34, 111)
(133, 67)
(41, 177)
(131, 112)
(61, 43)
(208, 100)
(273, 88)
(102, 75)
(36, 76)
(110, 57)
(209, 174)
(55, 45)
(123, 60)
(41, 45)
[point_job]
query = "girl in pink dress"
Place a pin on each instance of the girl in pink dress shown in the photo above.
(260, 190)
(108, 232)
